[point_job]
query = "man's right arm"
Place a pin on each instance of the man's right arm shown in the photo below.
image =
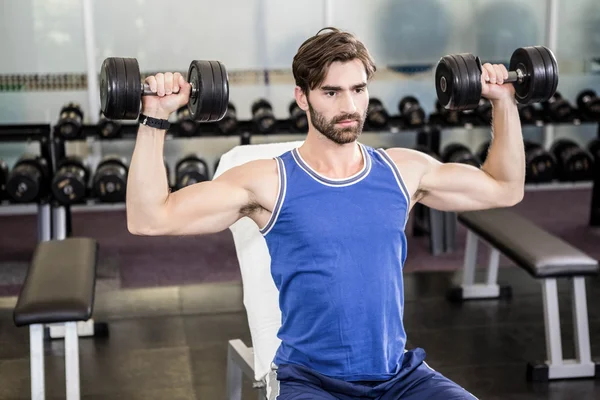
(202, 208)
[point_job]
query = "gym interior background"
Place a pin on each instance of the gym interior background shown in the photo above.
(172, 303)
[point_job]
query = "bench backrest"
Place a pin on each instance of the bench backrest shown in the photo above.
(261, 298)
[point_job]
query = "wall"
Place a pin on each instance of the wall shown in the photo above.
(47, 37)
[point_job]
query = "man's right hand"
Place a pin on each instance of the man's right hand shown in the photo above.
(172, 92)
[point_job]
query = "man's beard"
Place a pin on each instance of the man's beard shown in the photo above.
(339, 135)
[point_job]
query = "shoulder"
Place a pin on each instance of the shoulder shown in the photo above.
(410, 158)
(247, 173)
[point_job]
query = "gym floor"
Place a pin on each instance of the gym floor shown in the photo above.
(168, 339)
(172, 342)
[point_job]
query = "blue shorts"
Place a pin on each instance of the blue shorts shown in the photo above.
(416, 380)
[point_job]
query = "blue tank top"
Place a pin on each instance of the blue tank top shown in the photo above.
(337, 250)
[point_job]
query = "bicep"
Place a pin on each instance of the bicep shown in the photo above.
(205, 207)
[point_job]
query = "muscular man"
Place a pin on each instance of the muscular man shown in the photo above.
(333, 213)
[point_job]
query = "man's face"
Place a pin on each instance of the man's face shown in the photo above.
(338, 107)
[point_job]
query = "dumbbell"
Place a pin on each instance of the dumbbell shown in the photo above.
(558, 108)
(190, 170)
(540, 165)
(458, 153)
(484, 111)
(108, 129)
(298, 117)
(449, 117)
(109, 183)
(263, 117)
(28, 181)
(482, 151)
(533, 71)
(589, 104)
(121, 89)
(187, 126)
(527, 113)
(411, 111)
(229, 123)
(69, 184)
(3, 179)
(70, 122)
(573, 162)
(377, 116)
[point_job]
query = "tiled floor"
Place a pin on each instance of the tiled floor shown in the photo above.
(170, 343)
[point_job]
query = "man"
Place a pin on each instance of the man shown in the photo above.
(333, 213)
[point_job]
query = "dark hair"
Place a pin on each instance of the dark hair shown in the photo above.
(318, 52)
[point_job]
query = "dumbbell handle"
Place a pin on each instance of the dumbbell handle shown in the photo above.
(146, 91)
(513, 76)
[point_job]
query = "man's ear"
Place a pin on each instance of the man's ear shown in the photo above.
(301, 98)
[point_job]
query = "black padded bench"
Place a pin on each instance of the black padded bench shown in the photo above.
(58, 289)
(545, 257)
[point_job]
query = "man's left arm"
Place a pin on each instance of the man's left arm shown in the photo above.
(501, 179)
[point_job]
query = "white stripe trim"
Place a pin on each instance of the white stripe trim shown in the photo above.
(386, 158)
(399, 180)
(362, 170)
(282, 185)
(366, 159)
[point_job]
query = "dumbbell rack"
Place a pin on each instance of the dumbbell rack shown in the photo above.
(47, 226)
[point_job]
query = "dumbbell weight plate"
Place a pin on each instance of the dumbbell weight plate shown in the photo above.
(210, 80)
(548, 71)
(584, 97)
(482, 151)
(540, 164)
(27, 180)
(225, 90)
(69, 186)
(113, 88)
(534, 87)
(446, 82)
(473, 72)
(108, 89)
(551, 71)
(458, 153)
(133, 90)
(574, 163)
(190, 170)
(376, 114)
(461, 89)
(110, 186)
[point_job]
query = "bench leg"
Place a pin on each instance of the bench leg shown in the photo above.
(556, 367)
(44, 223)
(240, 362)
(436, 231)
(580, 322)
(36, 348)
(471, 290)
(234, 376)
(470, 259)
(449, 232)
(72, 360)
(552, 322)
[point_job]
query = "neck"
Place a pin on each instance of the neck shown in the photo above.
(336, 161)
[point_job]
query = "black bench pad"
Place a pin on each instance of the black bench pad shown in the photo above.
(60, 283)
(542, 254)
